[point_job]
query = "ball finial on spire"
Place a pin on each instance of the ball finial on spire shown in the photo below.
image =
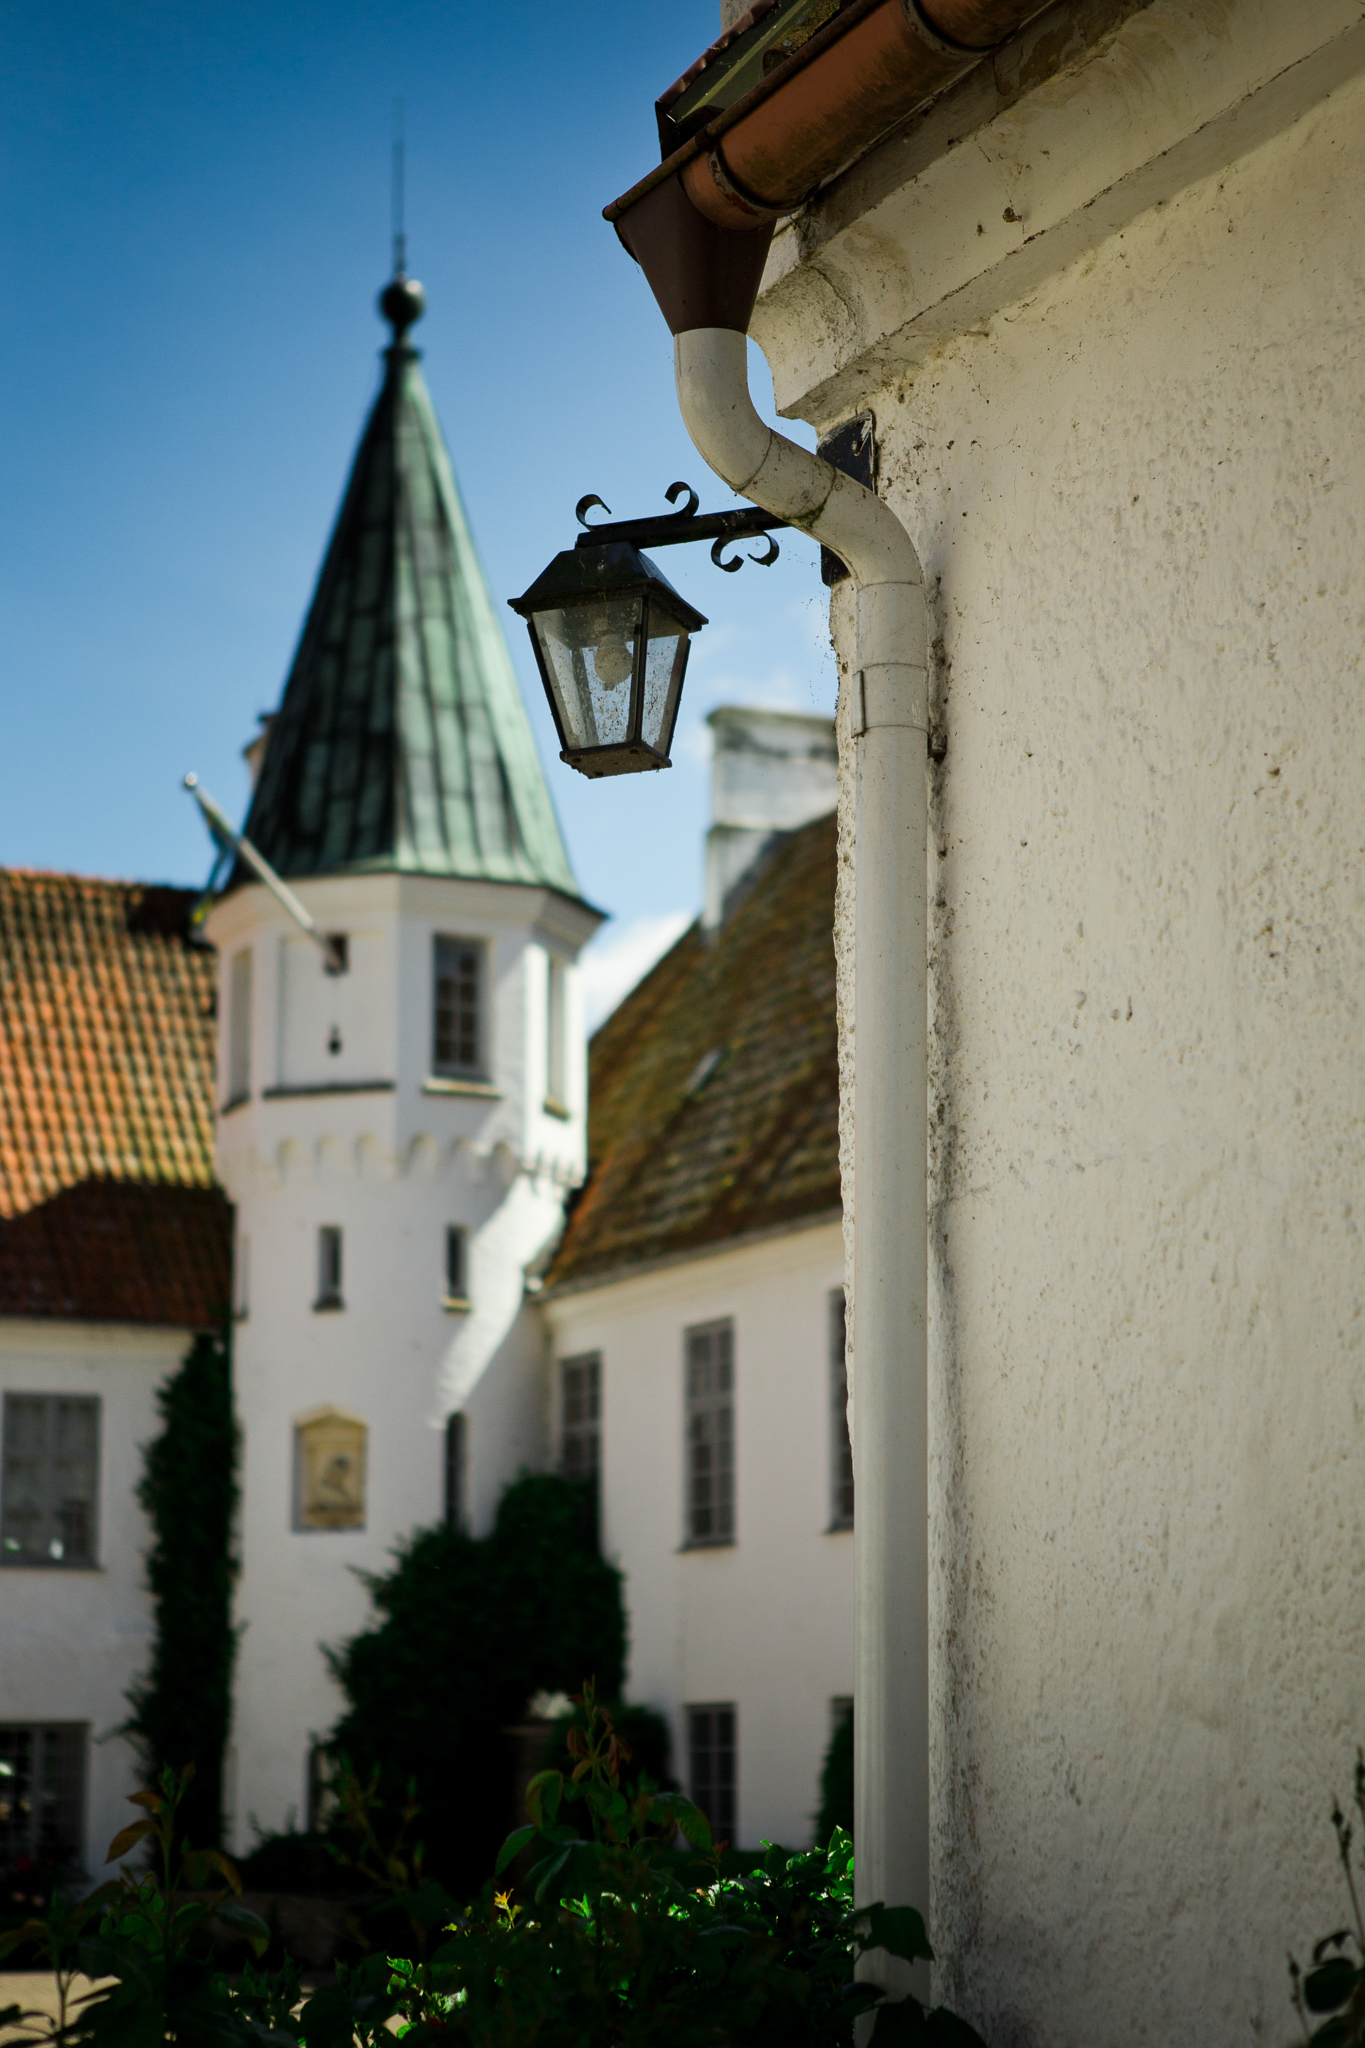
(402, 302)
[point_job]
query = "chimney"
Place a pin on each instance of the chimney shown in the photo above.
(770, 772)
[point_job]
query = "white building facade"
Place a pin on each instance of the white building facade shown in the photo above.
(1100, 299)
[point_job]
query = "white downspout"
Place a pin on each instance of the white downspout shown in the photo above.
(890, 1398)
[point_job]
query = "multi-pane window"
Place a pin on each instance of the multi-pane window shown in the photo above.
(329, 1266)
(711, 1761)
(42, 1793)
(556, 1083)
(710, 1474)
(580, 1409)
(455, 1447)
(239, 1027)
(51, 1479)
(457, 1023)
(840, 1445)
(457, 1266)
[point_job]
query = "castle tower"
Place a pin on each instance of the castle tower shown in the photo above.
(402, 1112)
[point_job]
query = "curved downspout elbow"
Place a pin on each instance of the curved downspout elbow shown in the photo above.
(711, 365)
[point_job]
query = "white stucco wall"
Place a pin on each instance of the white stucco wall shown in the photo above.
(72, 1638)
(392, 1167)
(765, 1623)
(1138, 492)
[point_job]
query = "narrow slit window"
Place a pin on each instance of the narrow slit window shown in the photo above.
(556, 1065)
(49, 1498)
(713, 1766)
(457, 1025)
(710, 1476)
(239, 1028)
(456, 1446)
(580, 1388)
(840, 1443)
(329, 1266)
(457, 1266)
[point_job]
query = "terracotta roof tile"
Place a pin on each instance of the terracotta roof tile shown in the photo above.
(108, 1206)
(714, 1088)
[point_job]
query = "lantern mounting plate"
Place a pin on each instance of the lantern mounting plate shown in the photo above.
(673, 529)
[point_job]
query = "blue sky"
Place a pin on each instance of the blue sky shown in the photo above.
(196, 222)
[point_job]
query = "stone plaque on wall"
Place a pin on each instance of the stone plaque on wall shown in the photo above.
(329, 1471)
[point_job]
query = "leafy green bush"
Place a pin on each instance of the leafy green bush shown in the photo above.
(182, 1706)
(469, 1629)
(1334, 1983)
(626, 1936)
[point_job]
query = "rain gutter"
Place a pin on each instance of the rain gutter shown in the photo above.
(864, 71)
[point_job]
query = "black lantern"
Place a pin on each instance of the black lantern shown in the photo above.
(611, 641)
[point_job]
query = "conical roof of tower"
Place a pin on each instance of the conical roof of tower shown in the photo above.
(402, 741)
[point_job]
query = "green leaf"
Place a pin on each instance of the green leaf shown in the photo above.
(1327, 1988)
(243, 1921)
(900, 1931)
(128, 1838)
(693, 1822)
(543, 1795)
(513, 1846)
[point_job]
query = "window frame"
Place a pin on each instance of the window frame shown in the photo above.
(584, 1430)
(455, 1471)
(842, 1492)
(457, 1295)
(75, 1736)
(240, 976)
(556, 1034)
(331, 1255)
(452, 1069)
(713, 1796)
(87, 1561)
(719, 1441)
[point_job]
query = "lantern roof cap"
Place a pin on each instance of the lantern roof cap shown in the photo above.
(612, 568)
(402, 741)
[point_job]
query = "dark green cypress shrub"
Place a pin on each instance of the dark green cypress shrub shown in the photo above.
(182, 1705)
(468, 1629)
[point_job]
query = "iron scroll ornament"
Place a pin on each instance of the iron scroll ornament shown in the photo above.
(674, 529)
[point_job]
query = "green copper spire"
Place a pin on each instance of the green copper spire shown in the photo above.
(402, 740)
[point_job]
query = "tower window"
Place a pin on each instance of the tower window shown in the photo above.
(239, 1028)
(42, 1794)
(457, 1266)
(556, 1062)
(51, 1479)
(710, 1434)
(580, 1411)
(840, 1444)
(457, 1022)
(329, 1266)
(337, 957)
(456, 1444)
(712, 1759)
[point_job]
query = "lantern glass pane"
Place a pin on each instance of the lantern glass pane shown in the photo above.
(589, 650)
(665, 660)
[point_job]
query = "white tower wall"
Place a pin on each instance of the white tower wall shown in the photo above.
(365, 1139)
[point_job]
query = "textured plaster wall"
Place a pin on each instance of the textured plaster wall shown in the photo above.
(1139, 498)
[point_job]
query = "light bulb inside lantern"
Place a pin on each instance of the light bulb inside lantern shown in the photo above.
(613, 661)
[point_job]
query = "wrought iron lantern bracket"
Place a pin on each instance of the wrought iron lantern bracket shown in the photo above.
(673, 529)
